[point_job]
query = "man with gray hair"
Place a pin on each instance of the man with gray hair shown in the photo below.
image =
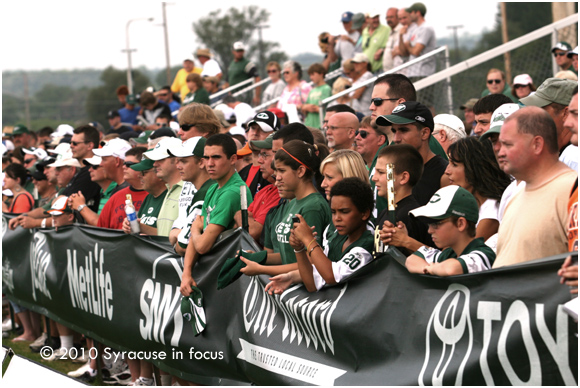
(341, 131)
(448, 129)
(554, 96)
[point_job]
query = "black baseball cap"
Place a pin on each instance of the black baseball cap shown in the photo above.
(408, 112)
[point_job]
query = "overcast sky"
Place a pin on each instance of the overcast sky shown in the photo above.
(76, 35)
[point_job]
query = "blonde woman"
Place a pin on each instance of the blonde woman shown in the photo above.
(342, 164)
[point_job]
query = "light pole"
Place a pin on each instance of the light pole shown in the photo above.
(128, 50)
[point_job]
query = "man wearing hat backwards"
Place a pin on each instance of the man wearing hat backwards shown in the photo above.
(412, 123)
(211, 68)
(560, 52)
(451, 215)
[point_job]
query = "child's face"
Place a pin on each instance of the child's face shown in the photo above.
(315, 77)
(191, 85)
(287, 180)
(380, 176)
(345, 216)
(443, 232)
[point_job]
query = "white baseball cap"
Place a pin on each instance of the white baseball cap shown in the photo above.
(191, 147)
(160, 150)
(114, 147)
(452, 122)
(38, 152)
(498, 118)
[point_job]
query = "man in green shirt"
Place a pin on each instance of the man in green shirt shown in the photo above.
(221, 202)
(241, 69)
(374, 40)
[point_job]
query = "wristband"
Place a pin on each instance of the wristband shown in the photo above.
(43, 223)
(308, 246)
(301, 250)
(313, 248)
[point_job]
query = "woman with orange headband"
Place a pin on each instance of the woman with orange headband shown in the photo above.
(296, 164)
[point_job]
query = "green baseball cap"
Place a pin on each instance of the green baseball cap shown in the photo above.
(192, 310)
(408, 112)
(130, 99)
(144, 165)
(230, 271)
(20, 130)
(551, 90)
(142, 138)
(564, 46)
(449, 201)
(498, 118)
(263, 144)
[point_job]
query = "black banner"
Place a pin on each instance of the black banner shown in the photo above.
(383, 327)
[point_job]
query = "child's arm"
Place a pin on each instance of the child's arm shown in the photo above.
(398, 236)
(415, 264)
(448, 267)
(280, 283)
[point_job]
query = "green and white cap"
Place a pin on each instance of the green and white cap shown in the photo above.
(160, 150)
(191, 147)
(449, 201)
(498, 118)
(192, 310)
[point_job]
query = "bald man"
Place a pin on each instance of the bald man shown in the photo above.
(341, 131)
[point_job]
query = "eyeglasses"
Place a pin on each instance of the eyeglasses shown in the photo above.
(332, 128)
(436, 225)
(187, 127)
(493, 81)
(285, 72)
(129, 164)
(559, 54)
(272, 71)
(94, 166)
(76, 143)
(379, 101)
(264, 155)
(26, 161)
(520, 86)
(362, 134)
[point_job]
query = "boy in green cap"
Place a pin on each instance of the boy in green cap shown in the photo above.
(451, 215)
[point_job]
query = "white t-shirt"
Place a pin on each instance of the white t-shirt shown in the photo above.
(570, 157)
(488, 210)
(211, 68)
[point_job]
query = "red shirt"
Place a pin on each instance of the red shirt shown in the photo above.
(264, 200)
(113, 212)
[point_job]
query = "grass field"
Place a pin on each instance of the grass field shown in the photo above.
(22, 349)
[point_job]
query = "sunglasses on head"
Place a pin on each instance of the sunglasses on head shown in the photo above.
(493, 81)
(187, 127)
(379, 101)
(361, 133)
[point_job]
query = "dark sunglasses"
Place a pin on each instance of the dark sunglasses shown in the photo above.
(285, 72)
(76, 143)
(520, 86)
(379, 101)
(493, 81)
(26, 161)
(94, 166)
(363, 134)
(129, 164)
(187, 127)
(559, 54)
(272, 71)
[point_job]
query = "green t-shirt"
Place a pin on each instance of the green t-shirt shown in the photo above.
(228, 198)
(105, 195)
(239, 71)
(316, 212)
(149, 210)
(193, 210)
(475, 257)
(316, 95)
(200, 96)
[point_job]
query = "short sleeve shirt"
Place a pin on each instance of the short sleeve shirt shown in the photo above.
(221, 203)
(475, 257)
(150, 209)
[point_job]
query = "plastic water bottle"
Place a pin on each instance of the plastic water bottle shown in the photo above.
(132, 215)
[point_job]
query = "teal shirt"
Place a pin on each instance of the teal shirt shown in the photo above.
(105, 195)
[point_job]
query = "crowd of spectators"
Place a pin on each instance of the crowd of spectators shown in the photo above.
(379, 169)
